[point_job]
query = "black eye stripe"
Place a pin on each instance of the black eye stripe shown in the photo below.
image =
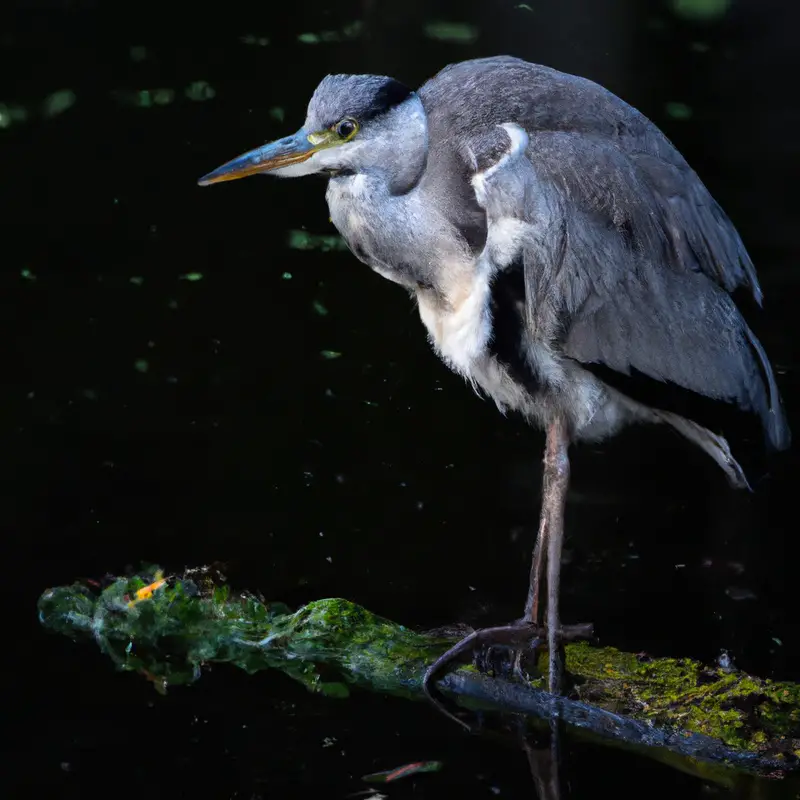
(363, 106)
(391, 94)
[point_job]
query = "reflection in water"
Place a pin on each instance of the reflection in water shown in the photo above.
(544, 762)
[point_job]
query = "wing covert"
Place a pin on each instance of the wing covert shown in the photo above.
(625, 264)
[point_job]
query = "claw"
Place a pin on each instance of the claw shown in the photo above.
(518, 636)
(504, 636)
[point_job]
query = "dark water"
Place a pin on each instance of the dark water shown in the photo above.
(150, 417)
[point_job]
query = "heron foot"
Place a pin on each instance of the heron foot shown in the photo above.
(520, 638)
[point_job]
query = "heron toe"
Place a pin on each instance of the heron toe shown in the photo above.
(484, 646)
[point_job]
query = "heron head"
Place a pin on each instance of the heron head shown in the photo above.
(355, 123)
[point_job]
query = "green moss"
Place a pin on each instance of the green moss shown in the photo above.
(330, 645)
(744, 712)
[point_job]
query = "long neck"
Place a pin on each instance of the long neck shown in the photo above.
(386, 211)
(401, 236)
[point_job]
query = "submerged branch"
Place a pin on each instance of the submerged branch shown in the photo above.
(676, 710)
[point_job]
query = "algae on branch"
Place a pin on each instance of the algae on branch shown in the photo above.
(740, 710)
(328, 645)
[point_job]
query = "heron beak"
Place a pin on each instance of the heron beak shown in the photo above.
(291, 150)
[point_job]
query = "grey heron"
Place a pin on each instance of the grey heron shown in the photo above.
(552, 238)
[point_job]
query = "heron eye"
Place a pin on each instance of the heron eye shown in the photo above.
(346, 128)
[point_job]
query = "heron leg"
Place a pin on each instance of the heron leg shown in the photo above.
(529, 634)
(550, 540)
(533, 614)
(554, 496)
(532, 610)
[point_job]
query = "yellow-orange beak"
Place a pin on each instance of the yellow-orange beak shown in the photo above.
(290, 150)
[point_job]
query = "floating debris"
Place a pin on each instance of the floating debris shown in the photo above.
(141, 365)
(351, 31)
(309, 38)
(155, 97)
(678, 110)
(259, 41)
(136, 280)
(163, 97)
(277, 113)
(27, 275)
(199, 90)
(330, 354)
(57, 103)
(403, 772)
(319, 308)
(700, 10)
(454, 32)
(739, 593)
(192, 277)
(302, 240)
(137, 52)
(11, 114)
(145, 98)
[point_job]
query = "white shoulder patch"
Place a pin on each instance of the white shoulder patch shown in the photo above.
(519, 144)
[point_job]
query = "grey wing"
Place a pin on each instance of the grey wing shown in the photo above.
(604, 149)
(615, 269)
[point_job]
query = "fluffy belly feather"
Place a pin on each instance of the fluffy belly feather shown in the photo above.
(460, 330)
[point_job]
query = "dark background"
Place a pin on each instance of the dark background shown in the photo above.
(145, 416)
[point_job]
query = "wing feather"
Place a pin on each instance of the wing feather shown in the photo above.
(603, 150)
(628, 263)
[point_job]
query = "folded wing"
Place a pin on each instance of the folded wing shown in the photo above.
(627, 262)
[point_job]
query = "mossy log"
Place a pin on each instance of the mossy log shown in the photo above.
(703, 720)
